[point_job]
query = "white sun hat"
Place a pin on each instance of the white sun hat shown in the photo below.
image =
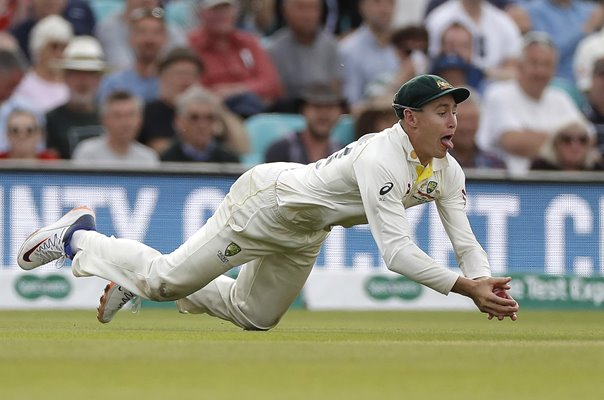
(83, 53)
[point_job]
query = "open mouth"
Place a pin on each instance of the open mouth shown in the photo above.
(447, 141)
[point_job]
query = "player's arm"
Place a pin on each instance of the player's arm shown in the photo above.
(386, 216)
(489, 294)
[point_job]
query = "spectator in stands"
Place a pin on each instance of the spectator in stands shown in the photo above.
(411, 42)
(501, 4)
(83, 66)
(341, 16)
(114, 35)
(497, 39)
(594, 93)
(566, 22)
(25, 137)
(457, 39)
(148, 37)
(520, 114)
(570, 148)
(303, 53)
(13, 67)
(258, 16)
(457, 71)
(12, 12)
(77, 13)
(250, 84)
(321, 107)
(374, 116)
(411, 45)
(43, 85)
(370, 60)
(121, 116)
(466, 150)
(198, 123)
(178, 70)
(8, 41)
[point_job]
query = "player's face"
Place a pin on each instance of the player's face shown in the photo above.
(436, 125)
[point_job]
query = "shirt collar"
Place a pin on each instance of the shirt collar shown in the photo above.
(437, 163)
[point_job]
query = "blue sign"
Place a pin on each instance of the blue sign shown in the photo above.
(539, 228)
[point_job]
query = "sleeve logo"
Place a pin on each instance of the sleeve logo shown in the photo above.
(386, 188)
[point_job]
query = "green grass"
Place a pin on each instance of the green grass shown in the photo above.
(161, 354)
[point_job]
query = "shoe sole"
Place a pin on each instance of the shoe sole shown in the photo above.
(103, 302)
(73, 210)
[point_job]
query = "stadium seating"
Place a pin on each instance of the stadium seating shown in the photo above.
(264, 129)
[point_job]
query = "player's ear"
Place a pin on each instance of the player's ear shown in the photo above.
(410, 117)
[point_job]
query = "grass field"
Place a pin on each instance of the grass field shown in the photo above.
(160, 354)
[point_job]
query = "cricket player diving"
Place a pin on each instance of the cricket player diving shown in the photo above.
(276, 216)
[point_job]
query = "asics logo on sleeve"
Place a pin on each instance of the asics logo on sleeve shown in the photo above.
(386, 188)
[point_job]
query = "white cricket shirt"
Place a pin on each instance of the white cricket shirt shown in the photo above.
(373, 181)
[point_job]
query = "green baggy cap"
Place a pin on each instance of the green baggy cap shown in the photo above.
(423, 89)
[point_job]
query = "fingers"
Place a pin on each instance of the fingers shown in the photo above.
(503, 299)
(501, 282)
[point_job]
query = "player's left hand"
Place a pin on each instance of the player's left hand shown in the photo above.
(503, 293)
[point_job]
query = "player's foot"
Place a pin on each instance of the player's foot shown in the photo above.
(52, 242)
(114, 298)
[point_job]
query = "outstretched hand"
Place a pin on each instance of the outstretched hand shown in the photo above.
(490, 296)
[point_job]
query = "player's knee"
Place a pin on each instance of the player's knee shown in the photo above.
(256, 322)
(160, 289)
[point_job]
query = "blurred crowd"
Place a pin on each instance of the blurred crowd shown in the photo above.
(150, 81)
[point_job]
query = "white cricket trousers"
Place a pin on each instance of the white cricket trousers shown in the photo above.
(279, 258)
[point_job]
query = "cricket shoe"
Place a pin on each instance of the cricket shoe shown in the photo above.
(52, 241)
(114, 298)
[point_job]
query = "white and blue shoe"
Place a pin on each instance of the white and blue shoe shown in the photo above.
(51, 242)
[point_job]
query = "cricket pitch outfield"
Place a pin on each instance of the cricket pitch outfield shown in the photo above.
(160, 354)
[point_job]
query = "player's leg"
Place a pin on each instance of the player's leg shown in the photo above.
(261, 294)
(155, 276)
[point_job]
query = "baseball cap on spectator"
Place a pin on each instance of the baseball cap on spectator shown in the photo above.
(448, 61)
(204, 4)
(52, 28)
(444, 62)
(83, 53)
(423, 89)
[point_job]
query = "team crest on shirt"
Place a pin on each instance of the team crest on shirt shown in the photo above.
(425, 192)
(231, 250)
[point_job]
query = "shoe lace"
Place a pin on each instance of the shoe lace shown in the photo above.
(135, 305)
(52, 249)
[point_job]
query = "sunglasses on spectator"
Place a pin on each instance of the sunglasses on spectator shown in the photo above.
(28, 130)
(196, 117)
(145, 12)
(569, 138)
